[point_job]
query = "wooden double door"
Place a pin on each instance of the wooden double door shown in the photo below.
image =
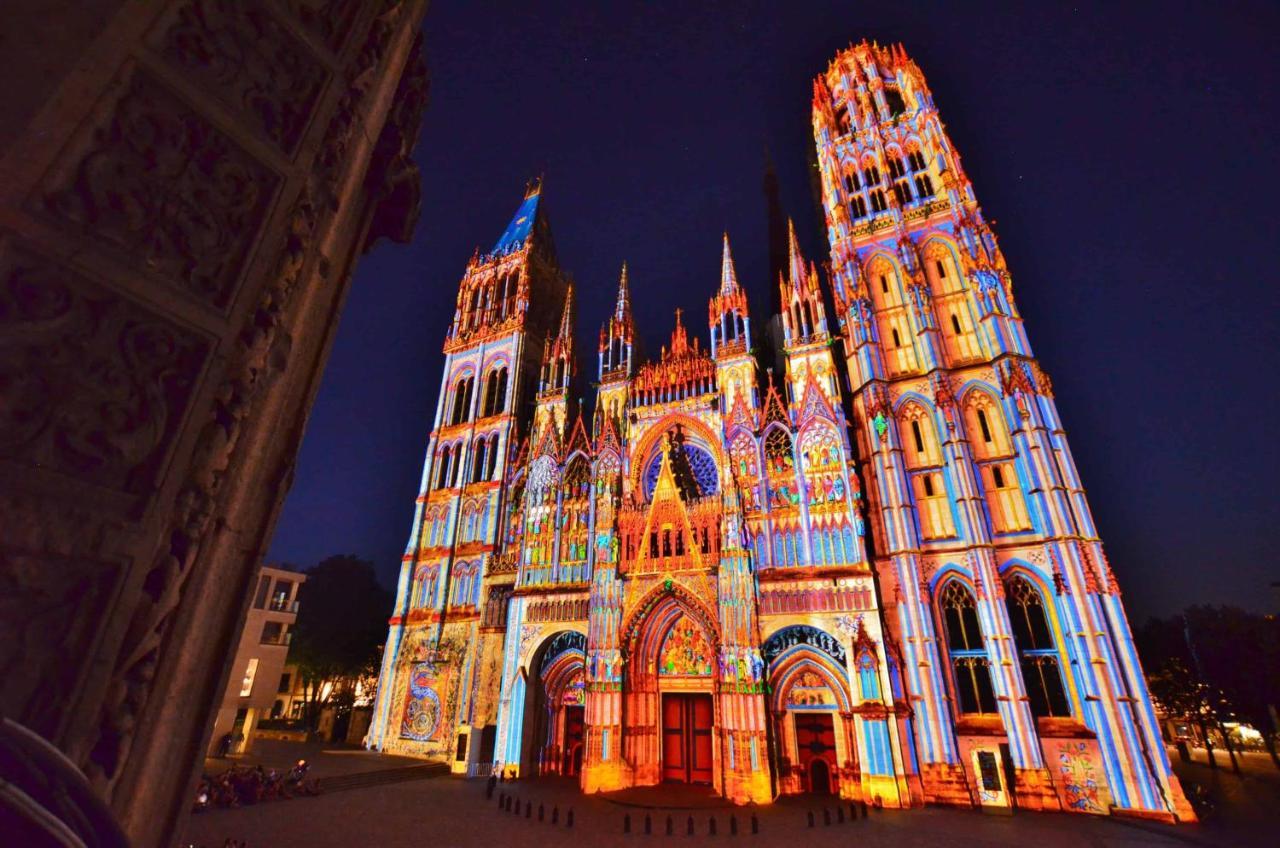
(686, 737)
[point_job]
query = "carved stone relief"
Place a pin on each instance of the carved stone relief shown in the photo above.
(241, 54)
(157, 184)
(95, 386)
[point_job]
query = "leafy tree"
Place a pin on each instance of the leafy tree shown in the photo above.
(342, 620)
(1214, 662)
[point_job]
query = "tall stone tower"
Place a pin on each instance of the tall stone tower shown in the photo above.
(994, 579)
(501, 351)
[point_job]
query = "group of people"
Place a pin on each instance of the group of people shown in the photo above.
(240, 785)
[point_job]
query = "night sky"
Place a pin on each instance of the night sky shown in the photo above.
(1127, 155)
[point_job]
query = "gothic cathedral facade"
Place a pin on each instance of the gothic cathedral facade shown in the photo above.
(873, 574)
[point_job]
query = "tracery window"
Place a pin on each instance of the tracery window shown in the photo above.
(746, 468)
(970, 668)
(823, 465)
(780, 469)
(1037, 652)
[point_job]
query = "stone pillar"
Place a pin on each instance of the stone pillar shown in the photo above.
(185, 189)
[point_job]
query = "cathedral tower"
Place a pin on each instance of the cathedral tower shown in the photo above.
(995, 579)
(439, 671)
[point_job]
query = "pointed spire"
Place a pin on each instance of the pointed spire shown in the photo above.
(623, 310)
(566, 319)
(728, 276)
(796, 259)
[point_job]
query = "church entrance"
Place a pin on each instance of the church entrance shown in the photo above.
(816, 745)
(573, 733)
(686, 737)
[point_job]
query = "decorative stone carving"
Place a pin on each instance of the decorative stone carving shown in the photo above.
(163, 189)
(330, 20)
(53, 593)
(241, 54)
(94, 386)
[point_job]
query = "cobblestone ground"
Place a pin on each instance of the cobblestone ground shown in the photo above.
(445, 812)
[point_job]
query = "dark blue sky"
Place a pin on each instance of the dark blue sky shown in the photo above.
(1126, 153)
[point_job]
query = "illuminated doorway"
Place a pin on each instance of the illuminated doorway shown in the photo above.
(686, 737)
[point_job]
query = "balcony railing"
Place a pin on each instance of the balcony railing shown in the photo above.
(279, 604)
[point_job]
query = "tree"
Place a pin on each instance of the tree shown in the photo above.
(1214, 662)
(342, 620)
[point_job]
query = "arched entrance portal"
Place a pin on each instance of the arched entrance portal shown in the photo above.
(554, 707)
(810, 710)
(669, 708)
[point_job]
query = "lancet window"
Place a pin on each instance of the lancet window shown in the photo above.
(952, 304)
(823, 465)
(462, 400)
(495, 392)
(971, 671)
(1037, 651)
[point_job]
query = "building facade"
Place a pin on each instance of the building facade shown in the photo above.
(258, 668)
(872, 573)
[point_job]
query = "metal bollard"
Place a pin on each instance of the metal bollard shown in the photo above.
(626, 823)
(733, 825)
(541, 811)
(528, 809)
(670, 824)
(555, 814)
(711, 826)
(568, 822)
(755, 824)
(689, 831)
(826, 817)
(839, 815)
(810, 814)
(648, 825)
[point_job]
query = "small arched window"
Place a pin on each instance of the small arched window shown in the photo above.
(454, 462)
(970, 668)
(988, 437)
(1037, 651)
(922, 449)
(442, 466)
(491, 472)
(479, 448)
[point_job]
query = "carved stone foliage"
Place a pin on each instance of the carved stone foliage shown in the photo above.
(328, 19)
(167, 191)
(93, 386)
(241, 54)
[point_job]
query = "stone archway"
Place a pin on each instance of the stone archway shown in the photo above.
(554, 688)
(810, 711)
(670, 651)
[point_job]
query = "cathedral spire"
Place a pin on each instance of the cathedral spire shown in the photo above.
(622, 311)
(795, 259)
(728, 276)
(566, 319)
(727, 311)
(803, 315)
(617, 335)
(558, 355)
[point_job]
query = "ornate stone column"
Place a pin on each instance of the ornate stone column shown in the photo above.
(185, 188)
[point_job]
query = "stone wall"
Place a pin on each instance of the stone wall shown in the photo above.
(185, 188)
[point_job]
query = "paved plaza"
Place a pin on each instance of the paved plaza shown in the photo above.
(444, 812)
